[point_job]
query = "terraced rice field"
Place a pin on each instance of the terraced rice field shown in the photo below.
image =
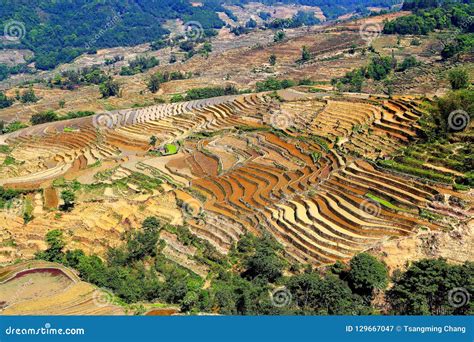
(41, 288)
(252, 163)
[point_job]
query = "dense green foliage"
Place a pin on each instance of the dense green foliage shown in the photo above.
(68, 198)
(305, 54)
(459, 79)
(77, 114)
(139, 65)
(109, 88)
(43, 117)
(59, 31)
(367, 273)
(407, 63)
(378, 69)
(28, 96)
(50, 116)
(301, 18)
(274, 84)
(427, 18)
(161, 77)
(5, 101)
(429, 287)
(54, 252)
(207, 92)
(460, 100)
(246, 281)
(7, 195)
(11, 127)
(71, 79)
(429, 15)
(6, 70)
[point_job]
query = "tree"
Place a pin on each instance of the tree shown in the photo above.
(153, 140)
(251, 23)
(109, 88)
(68, 198)
(54, 252)
(139, 244)
(264, 263)
(367, 273)
(279, 36)
(408, 62)
(305, 54)
(272, 59)
(154, 83)
(433, 287)
(459, 78)
(5, 101)
(173, 59)
(330, 295)
(459, 101)
(43, 117)
(29, 96)
(206, 48)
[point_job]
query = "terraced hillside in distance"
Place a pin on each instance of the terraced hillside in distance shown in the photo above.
(287, 163)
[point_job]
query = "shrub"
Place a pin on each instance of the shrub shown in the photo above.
(274, 84)
(204, 93)
(54, 252)
(367, 273)
(68, 198)
(5, 101)
(458, 78)
(29, 96)
(109, 88)
(43, 117)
